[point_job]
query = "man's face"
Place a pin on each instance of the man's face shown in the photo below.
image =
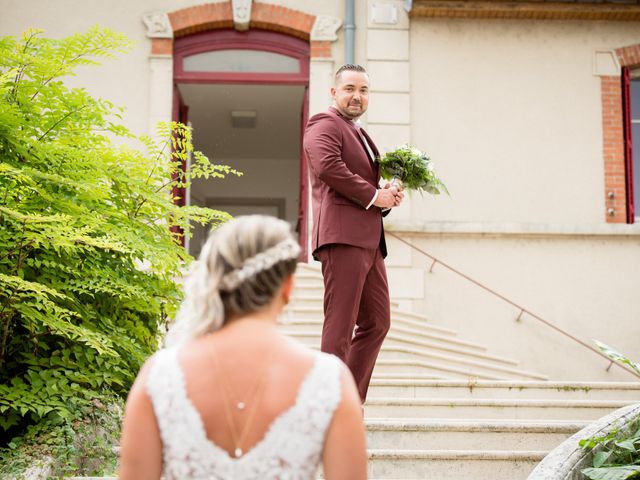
(351, 93)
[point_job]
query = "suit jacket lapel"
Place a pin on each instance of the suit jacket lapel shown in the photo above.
(374, 149)
(373, 162)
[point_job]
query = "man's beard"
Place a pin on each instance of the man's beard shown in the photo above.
(347, 113)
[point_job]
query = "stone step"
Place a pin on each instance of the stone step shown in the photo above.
(398, 317)
(315, 298)
(571, 410)
(408, 387)
(453, 464)
(399, 331)
(313, 266)
(306, 279)
(466, 366)
(447, 370)
(408, 434)
(316, 289)
(421, 348)
(396, 337)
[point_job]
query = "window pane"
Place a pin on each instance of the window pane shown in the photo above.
(252, 61)
(635, 100)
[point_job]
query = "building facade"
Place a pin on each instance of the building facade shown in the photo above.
(528, 109)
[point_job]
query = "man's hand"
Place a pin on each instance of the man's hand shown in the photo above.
(389, 196)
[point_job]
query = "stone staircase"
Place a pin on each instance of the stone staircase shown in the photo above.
(441, 407)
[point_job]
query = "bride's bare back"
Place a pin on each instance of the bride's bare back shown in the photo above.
(241, 349)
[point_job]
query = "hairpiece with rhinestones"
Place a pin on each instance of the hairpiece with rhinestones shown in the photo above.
(286, 250)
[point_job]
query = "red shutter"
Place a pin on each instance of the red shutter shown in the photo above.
(628, 147)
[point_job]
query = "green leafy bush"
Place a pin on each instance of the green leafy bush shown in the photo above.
(88, 265)
(618, 453)
(618, 456)
(85, 447)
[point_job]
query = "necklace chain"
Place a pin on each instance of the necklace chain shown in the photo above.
(251, 406)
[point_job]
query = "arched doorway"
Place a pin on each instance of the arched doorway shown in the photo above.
(246, 96)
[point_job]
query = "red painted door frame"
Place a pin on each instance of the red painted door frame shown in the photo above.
(180, 114)
(250, 40)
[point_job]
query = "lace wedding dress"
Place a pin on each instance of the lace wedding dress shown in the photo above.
(291, 448)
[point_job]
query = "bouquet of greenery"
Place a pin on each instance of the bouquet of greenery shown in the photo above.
(413, 168)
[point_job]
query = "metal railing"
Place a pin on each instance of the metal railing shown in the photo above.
(522, 310)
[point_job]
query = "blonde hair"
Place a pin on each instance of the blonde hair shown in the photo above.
(240, 268)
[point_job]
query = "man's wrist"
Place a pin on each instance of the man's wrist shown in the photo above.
(373, 200)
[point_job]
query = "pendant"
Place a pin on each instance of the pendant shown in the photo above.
(238, 452)
(241, 405)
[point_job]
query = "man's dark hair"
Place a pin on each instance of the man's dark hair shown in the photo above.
(349, 66)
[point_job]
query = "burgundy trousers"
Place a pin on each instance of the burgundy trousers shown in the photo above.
(357, 312)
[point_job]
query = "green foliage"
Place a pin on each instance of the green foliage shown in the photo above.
(87, 261)
(58, 449)
(413, 168)
(618, 453)
(618, 357)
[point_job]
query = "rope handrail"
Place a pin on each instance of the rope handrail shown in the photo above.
(522, 309)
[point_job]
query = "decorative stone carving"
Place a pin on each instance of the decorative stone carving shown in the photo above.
(241, 13)
(158, 25)
(325, 28)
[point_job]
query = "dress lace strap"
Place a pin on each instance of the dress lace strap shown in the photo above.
(291, 448)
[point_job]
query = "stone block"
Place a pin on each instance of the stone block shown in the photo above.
(399, 254)
(320, 82)
(389, 137)
(405, 283)
(388, 45)
(389, 76)
(389, 108)
(389, 14)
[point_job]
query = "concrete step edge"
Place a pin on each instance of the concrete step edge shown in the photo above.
(509, 384)
(481, 426)
(392, 335)
(310, 267)
(423, 323)
(435, 336)
(452, 369)
(507, 455)
(319, 298)
(461, 361)
(395, 329)
(429, 352)
(499, 402)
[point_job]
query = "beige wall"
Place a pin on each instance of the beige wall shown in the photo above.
(587, 285)
(510, 112)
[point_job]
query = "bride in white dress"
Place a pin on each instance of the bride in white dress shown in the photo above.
(231, 398)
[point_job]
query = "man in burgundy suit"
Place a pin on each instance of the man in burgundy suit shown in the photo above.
(348, 236)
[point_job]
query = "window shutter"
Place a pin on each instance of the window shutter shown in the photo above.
(628, 146)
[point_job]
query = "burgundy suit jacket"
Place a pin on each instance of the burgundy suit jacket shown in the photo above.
(343, 182)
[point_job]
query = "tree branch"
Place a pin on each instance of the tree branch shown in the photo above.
(60, 121)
